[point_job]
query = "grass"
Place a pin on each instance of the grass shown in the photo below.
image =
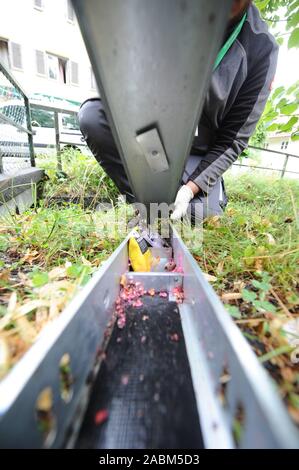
(251, 255)
(81, 178)
(50, 251)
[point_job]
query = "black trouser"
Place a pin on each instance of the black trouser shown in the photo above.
(97, 133)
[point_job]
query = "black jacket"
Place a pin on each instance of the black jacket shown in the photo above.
(235, 100)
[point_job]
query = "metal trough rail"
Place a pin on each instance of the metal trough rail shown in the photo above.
(214, 346)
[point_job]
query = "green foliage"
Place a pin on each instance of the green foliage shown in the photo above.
(260, 209)
(283, 102)
(39, 278)
(272, 11)
(233, 311)
(81, 177)
(281, 111)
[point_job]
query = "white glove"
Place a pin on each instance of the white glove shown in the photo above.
(181, 203)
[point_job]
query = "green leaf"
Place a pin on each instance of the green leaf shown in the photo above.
(272, 128)
(280, 41)
(264, 305)
(293, 88)
(79, 270)
(282, 102)
(39, 279)
(233, 311)
(289, 108)
(277, 92)
(261, 4)
(248, 295)
(294, 20)
(249, 251)
(289, 125)
(295, 137)
(294, 39)
(75, 270)
(241, 220)
(294, 399)
(276, 352)
(4, 243)
(264, 286)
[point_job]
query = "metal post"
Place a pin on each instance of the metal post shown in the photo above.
(57, 139)
(30, 134)
(284, 166)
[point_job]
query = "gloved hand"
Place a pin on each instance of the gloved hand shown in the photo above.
(181, 203)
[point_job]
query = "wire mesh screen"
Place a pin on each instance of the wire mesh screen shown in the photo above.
(15, 152)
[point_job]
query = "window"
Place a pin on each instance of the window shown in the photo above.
(70, 12)
(74, 73)
(4, 53)
(40, 63)
(57, 67)
(38, 4)
(15, 55)
(92, 80)
(53, 67)
(284, 145)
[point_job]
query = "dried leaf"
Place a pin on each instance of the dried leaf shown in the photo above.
(57, 273)
(12, 305)
(220, 266)
(209, 277)
(30, 306)
(231, 296)
(271, 239)
(294, 412)
(26, 330)
(30, 256)
(4, 356)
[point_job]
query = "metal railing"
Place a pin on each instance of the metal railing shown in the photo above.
(56, 111)
(15, 119)
(282, 170)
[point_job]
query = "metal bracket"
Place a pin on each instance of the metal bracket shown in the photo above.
(153, 150)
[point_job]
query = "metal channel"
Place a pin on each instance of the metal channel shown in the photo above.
(79, 332)
(158, 281)
(216, 347)
(152, 61)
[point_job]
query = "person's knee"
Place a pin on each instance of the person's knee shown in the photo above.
(88, 116)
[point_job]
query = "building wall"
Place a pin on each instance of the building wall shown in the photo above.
(283, 143)
(47, 30)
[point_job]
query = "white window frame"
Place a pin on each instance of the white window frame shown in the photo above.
(6, 41)
(69, 4)
(37, 7)
(10, 54)
(70, 73)
(45, 64)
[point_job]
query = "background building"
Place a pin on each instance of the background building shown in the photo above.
(40, 42)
